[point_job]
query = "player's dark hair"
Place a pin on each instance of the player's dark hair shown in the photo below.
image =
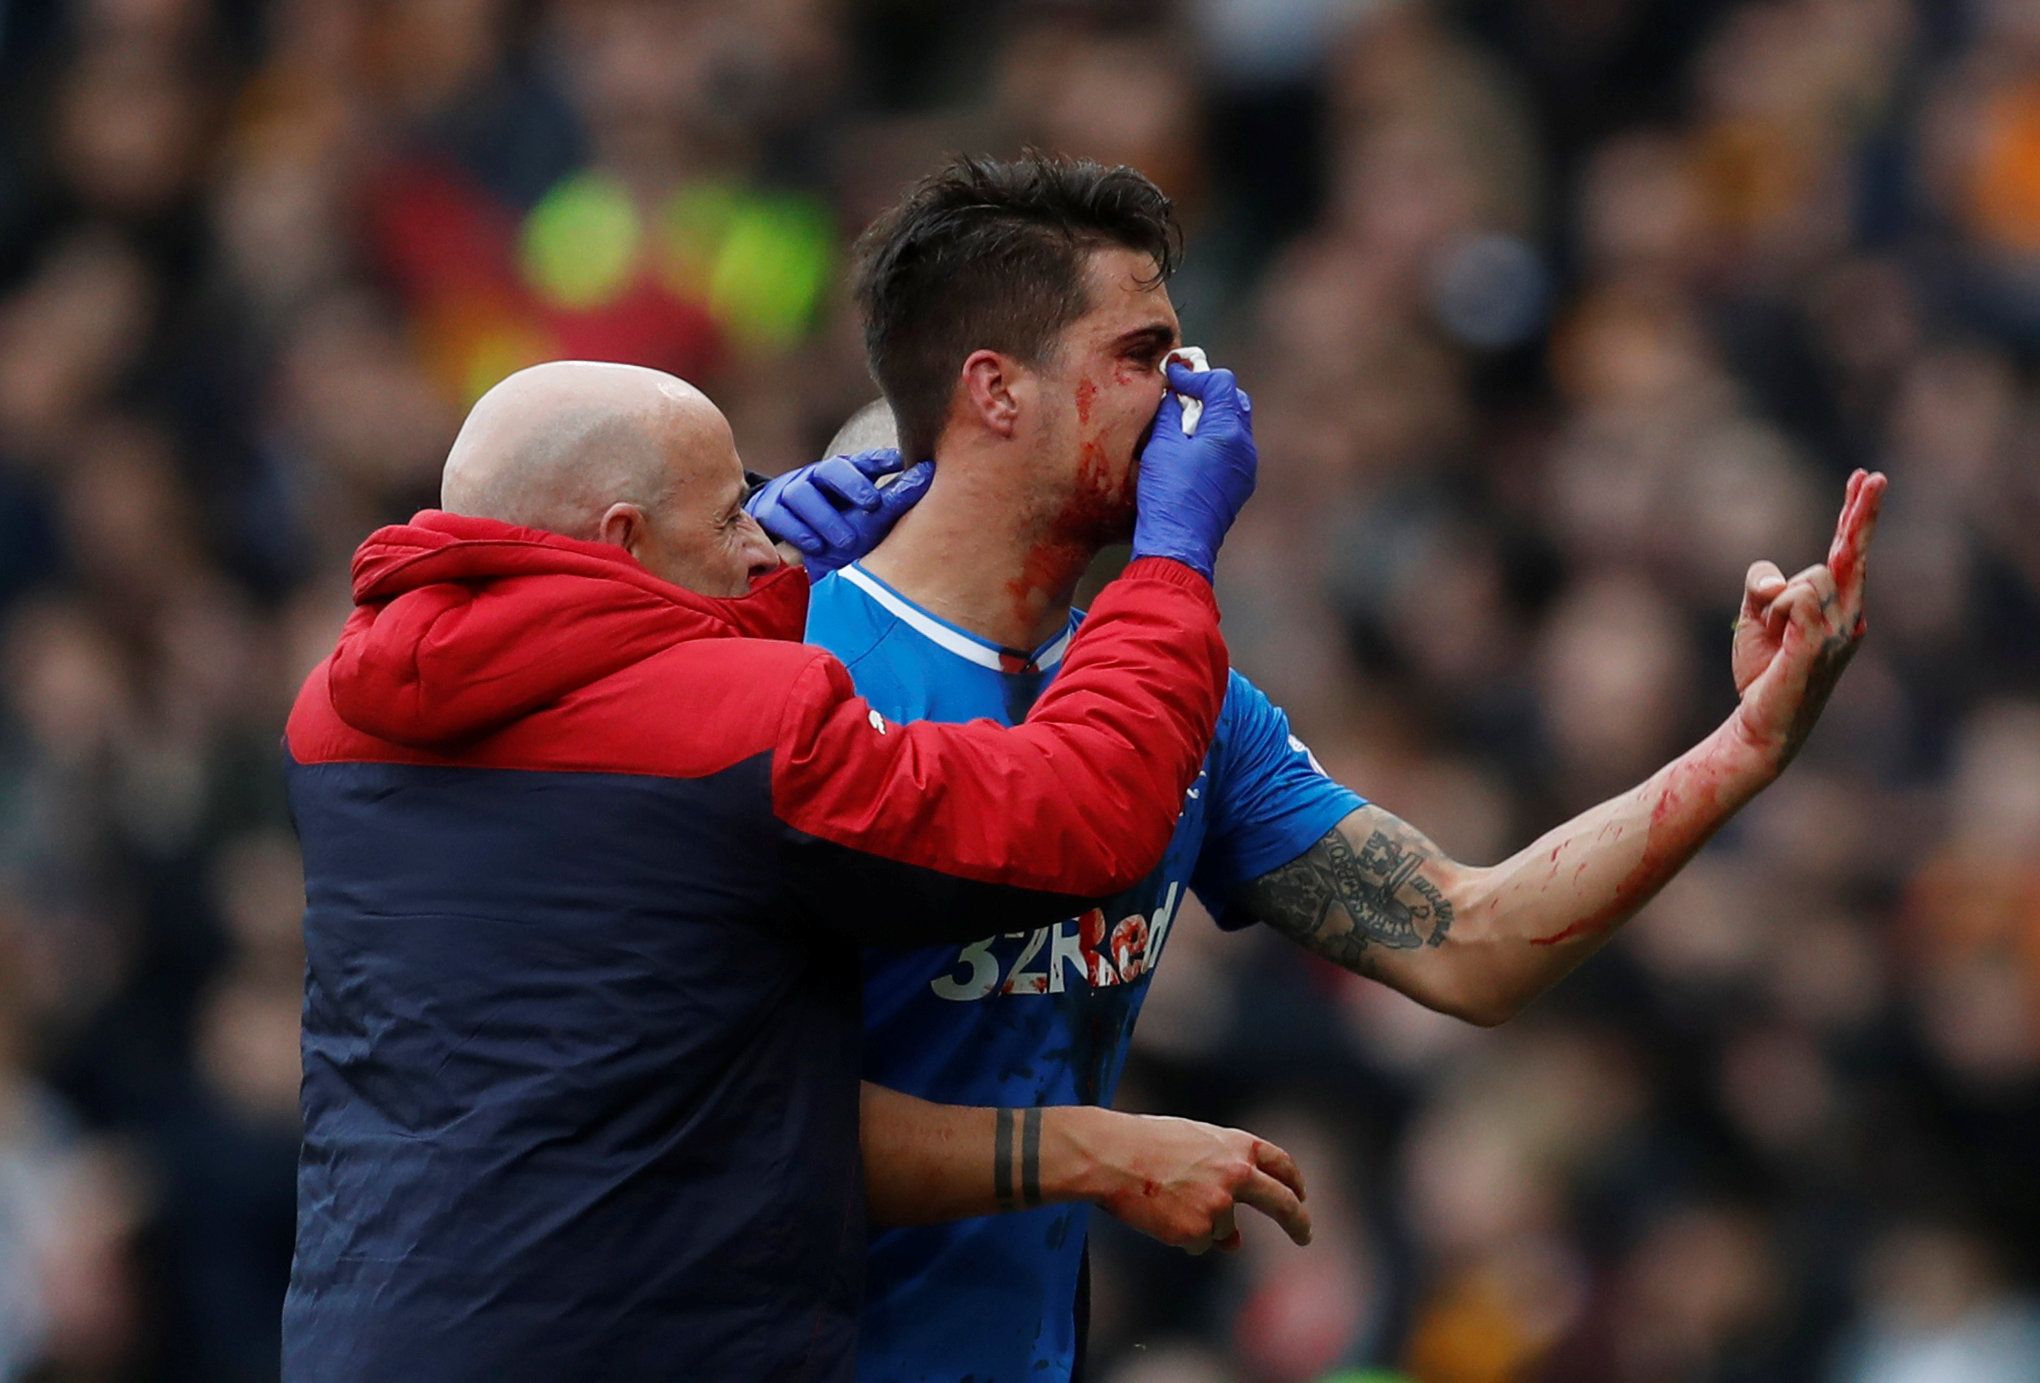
(990, 255)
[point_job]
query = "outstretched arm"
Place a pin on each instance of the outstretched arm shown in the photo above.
(1174, 1179)
(1377, 896)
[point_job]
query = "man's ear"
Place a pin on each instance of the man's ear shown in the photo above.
(990, 382)
(622, 524)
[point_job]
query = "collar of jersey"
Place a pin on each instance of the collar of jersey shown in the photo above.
(959, 641)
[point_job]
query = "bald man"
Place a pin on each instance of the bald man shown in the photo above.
(590, 843)
(585, 450)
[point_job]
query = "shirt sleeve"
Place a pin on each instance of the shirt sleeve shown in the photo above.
(1271, 800)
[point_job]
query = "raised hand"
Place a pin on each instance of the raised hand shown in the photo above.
(1793, 637)
(832, 511)
(1180, 1181)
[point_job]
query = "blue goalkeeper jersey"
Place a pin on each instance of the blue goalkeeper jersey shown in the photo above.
(1032, 1018)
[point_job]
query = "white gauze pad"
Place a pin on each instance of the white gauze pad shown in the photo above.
(1192, 358)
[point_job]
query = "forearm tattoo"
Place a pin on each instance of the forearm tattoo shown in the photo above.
(1029, 1158)
(1338, 899)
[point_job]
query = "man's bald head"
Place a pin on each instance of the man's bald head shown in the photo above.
(554, 446)
(615, 454)
(870, 428)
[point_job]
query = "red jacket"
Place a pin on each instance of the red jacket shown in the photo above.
(587, 859)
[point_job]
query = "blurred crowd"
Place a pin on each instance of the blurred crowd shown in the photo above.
(1557, 314)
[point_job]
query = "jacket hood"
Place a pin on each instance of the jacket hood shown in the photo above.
(463, 625)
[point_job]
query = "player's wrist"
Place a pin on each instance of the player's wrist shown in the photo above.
(1746, 755)
(1076, 1153)
(1738, 763)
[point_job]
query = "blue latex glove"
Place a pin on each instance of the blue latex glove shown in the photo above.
(1191, 488)
(832, 512)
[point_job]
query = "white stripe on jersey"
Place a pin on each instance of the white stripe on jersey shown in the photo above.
(955, 640)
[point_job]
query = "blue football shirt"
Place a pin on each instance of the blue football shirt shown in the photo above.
(1032, 1018)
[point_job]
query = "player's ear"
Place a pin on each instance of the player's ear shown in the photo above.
(987, 387)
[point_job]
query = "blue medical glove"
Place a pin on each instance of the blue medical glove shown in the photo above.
(831, 510)
(1191, 488)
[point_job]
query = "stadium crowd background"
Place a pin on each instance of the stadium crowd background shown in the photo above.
(1557, 313)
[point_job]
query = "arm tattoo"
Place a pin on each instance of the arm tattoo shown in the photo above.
(1030, 1159)
(1338, 900)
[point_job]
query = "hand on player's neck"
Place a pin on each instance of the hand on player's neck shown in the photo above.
(983, 558)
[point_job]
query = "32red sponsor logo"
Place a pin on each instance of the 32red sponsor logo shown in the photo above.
(1048, 958)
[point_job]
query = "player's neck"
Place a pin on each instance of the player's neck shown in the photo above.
(973, 556)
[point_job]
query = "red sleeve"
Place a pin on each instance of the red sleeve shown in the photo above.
(1081, 799)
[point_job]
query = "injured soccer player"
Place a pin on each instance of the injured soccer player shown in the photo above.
(1018, 319)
